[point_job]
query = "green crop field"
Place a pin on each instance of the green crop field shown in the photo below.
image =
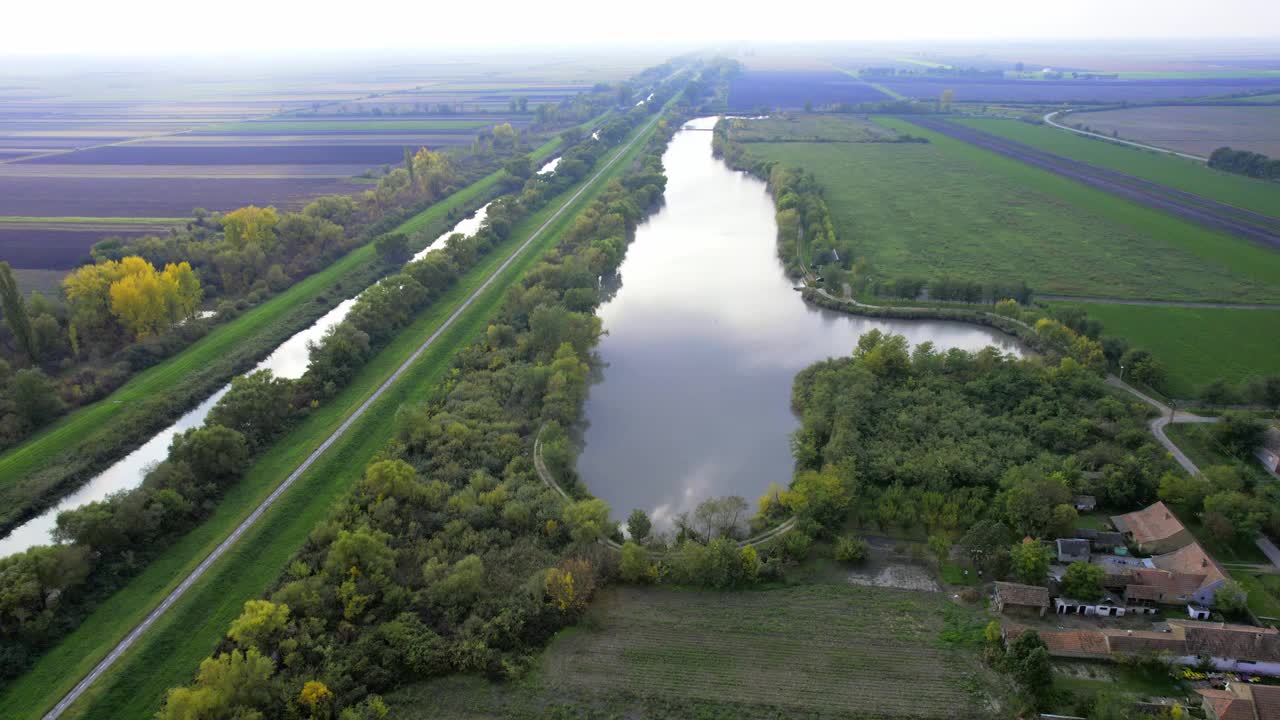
(794, 127)
(829, 650)
(1176, 172)
(1197, 345)
(949, 207)
(285, 127)
(171, 651)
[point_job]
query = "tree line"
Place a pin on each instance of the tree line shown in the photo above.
(1244, 162)
(450, 554)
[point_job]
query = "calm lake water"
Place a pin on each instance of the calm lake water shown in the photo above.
(705, 336)
(288, 360)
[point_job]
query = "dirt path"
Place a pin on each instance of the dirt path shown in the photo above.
(1158, 424)
(1244, 224)
(1049, 118)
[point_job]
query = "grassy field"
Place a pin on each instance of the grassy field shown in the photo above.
(169, 654)
(810, 651)
(132, 401)
(1264, 593)
(795, 127)
(949, 207)
(1196, 345)
(1179, 173)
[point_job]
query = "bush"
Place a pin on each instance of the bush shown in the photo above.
(851, 550)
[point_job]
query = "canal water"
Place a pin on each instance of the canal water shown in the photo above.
(705, 336)
(288, 360)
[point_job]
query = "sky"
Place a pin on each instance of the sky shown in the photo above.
(141, 27)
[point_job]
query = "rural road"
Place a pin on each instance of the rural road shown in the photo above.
(177, 593)
(1166, 416)
(1048, 118)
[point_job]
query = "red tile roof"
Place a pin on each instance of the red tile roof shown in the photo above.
(1154, 522)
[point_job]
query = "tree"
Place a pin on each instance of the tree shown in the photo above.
(463, 583)
(638, 525)
(392, 248)
(940, 546)
(1231, 598)
(1030, 562)
(234, 685)
(1027, 660)
(819, 496)
(1232, 513)
(586, 520)
(720, 517)
(1239, 432)
(257, 406)
(251, 225)
(1184, 493)
(15, 312)
(34, 396)
(987, 543)
(316, 696)
(1083, 581)
(215, 454)
(634, 565)
(260, 624)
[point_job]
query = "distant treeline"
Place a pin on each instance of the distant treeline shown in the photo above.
(1244, 162)
(951, 288)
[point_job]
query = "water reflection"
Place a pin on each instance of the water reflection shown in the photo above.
(705, 337)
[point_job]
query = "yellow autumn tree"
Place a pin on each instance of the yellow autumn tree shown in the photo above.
(315, 695)
(186, 292)
(251, 225)
(88, 293)
(140, 299)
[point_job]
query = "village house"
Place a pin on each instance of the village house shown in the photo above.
(1016, 595)
(1084, 503)
(1228, 648)
(1269, 452)
(1187, 577)
(1073, 550)
(1242, 701)
(1153, 529)
(1101, 541)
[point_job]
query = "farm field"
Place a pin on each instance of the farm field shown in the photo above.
(1186, 175)
(160, 142)
(788, 127)
(755, 89)
(806, 651)
(1194, 130)
(1074, 91)
(947, 207)
(169, 654)
(1196, 345)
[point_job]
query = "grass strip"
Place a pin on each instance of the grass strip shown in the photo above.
(169, 654)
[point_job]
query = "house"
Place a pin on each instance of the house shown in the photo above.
(1084, 503)
(1009, 595)
(1193, 561)
(1269, 452)
(1101, 540)
(1109, 605)
(1242, 701)
(1073, 550)
(1153, 529)
(1230, 648)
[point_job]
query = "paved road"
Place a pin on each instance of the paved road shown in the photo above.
(1167, 415)
(222, 548)
(1049, 119)
(1157, 303)
(1244, 224)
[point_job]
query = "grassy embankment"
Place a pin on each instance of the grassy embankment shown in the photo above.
(949, 207)
(210, 361)
(169, 654)
(1179, 173)
(1196, 345)
(823, 650)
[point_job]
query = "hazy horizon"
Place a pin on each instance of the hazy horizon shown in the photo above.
(150, 28)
